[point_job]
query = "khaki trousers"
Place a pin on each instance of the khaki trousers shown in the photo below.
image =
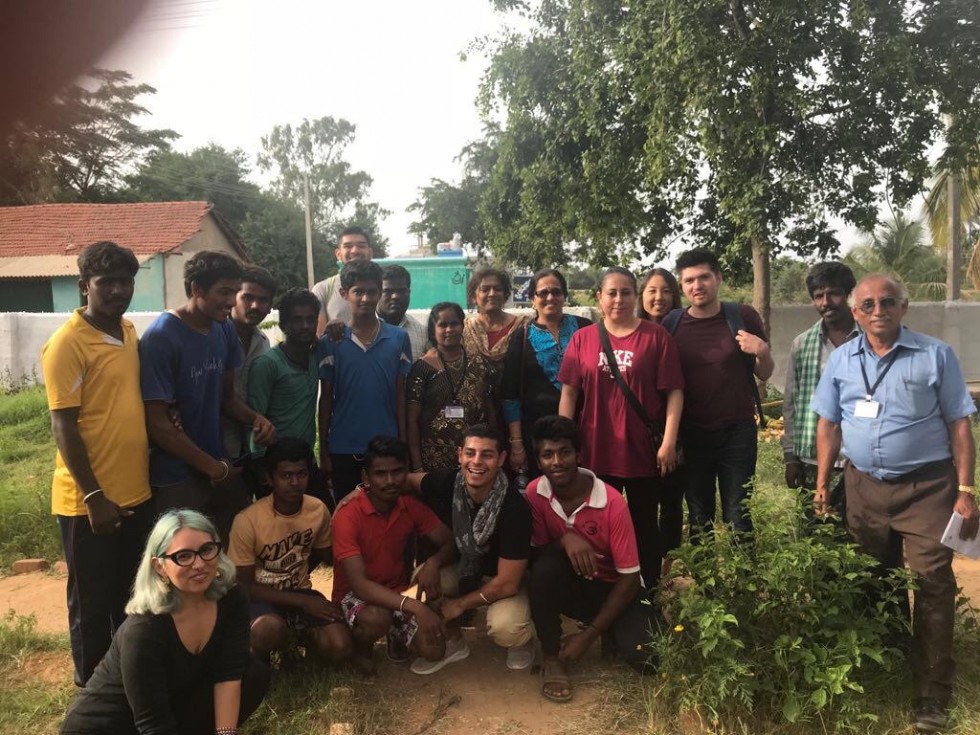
(508, 620)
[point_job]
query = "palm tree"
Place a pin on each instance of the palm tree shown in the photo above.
(898, 249)
(937, 209)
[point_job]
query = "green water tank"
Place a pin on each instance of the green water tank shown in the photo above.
(435, 279)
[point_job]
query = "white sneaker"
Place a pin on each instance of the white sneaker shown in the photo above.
(520, 657)
(456, 650)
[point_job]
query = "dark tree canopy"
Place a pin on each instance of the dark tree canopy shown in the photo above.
(81, 145)
(211, 173)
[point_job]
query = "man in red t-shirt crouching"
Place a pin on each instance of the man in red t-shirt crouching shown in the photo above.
(584, 564)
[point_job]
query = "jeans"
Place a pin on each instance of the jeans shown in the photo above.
(345, 474)
(221, 503)
(100, 575)
(724, 458)
(656, 509)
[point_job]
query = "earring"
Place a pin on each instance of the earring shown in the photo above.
(217, 575)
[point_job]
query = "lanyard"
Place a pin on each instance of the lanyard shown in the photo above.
(870, 389)
(449, 378)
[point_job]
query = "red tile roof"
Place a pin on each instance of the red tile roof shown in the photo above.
(64, 229)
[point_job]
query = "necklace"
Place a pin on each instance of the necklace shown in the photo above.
(369, 342)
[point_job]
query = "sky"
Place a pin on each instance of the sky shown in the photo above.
(227, 71)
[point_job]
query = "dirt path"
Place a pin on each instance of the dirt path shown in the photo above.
(491, 699)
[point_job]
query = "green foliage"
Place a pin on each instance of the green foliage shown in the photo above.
(897, 247)
(81, 144)
(211, 174)
(444, 208)
(791, 624)
(744, 126)
(789, 281)
(314, 149)
(27, 451)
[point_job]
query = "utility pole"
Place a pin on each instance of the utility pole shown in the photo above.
(309, 233)
(953, 258)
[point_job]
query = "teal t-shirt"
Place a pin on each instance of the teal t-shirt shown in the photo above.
(286, 394)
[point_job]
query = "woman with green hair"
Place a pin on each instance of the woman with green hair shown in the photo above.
(180, 662)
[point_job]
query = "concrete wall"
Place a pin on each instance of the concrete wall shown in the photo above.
(22, 335)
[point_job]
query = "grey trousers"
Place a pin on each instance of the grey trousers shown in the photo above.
(882, 517)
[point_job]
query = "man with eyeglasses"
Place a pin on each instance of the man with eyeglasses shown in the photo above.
(894, 401)
(829, 285)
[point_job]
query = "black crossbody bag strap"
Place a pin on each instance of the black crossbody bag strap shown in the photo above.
(618, 376)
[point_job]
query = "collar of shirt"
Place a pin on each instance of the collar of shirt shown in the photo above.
(597, 498)
(383, 333)
(905, 339)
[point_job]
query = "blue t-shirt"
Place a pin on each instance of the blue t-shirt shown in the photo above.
(180, 365)
(364, 385)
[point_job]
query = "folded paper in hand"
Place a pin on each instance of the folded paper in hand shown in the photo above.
(951, 537)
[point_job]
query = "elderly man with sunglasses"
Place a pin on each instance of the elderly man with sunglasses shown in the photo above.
(898, 402)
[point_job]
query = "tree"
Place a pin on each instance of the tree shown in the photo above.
(85, 141)
(211, 173)
(445, 209)
(745, 126)
(897, 247)
(274, 232)
(937, 209)
(338, 194)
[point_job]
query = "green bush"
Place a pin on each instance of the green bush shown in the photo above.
(790, 623)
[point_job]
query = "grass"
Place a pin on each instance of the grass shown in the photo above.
(309, 697)
(27, 528)
(29, 706)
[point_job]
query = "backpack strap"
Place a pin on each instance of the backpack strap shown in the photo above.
(672, 320)
(735, 321)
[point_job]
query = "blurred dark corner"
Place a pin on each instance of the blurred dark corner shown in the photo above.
(47, 44)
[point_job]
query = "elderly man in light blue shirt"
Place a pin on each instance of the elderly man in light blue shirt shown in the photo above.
(897, 400)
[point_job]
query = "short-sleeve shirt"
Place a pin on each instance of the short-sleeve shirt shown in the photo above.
(511, 538)
(603, 520)
(418, 335)
(360, 530)
(332, 304)
(279, 546)
(615, 440)
(180, 365)
(364, 381)
(87, 369)
(284, 393)
(718, 392)
(921, 393)
(236, 434)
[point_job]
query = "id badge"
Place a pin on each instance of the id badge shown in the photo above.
(453, 412)
(867, 409)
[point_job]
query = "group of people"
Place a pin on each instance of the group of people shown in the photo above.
(532, 467)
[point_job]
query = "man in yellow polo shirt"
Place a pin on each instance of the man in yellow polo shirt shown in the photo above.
(101, 488)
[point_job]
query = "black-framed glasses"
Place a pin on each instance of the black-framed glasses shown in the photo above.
(546, 292)
(185, 557)
(868, 305)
